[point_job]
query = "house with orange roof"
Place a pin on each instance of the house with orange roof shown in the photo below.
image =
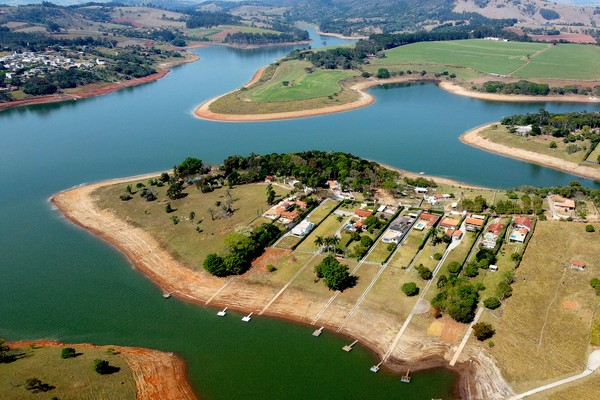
(429, 219)
(363, 213)
(518, 235)
(491, 235)
(449, 223)
(301, 204)
(578, 265)
(472, 224)
(523, 222)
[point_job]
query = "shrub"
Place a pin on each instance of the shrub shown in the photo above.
(101, 366)
(125, 197)
(424, 272)
(454, 267)
(553, 144)
(437, 256)
(410, 289)
(391, 247)
(169, 208)
(483, 331)
(68, 352)
(492, 303)
(271, 268)
(383, 73)
(590, 228)
(472, 270)
(595, 283)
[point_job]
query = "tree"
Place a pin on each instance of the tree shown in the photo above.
(36, 385)
(175, 191)
(472, 270)
(102, 366)
(270, 194)
(335, 274)
(319, 241)
(68, 352)
(590, 228)
(189, 166)
(383, 73)
(366, 241)
(164, 177)
(192, 215)
(483, 330)
(424, 272)
(595, 283)
(553, 144)
(215, 265)
(454, 267)
(410, 289)
(504, 290)
(492, 303)
(168, 208)
(5, 354)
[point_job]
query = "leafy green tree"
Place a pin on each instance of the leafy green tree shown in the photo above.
(192, 215)
(590, 228)
(595, 283)
(175, 191)
(68, 352)
(215, 265)
(504, 290)
(102, 367)
(5, 352)
(424, 272)
(553, 145)
(472, 270)
(366, 241)
(442, 281)
(164, 177)
(169, 208)
(492, 303)
(36, 385)
(189, 166)
(383, 73)
(270, 194)
(410, 289)
(483, 330)
(454, 267)
(437, 256)
(335, 274)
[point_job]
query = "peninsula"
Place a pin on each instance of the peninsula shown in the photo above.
(75, 371)
(315, 82)
(402, 245)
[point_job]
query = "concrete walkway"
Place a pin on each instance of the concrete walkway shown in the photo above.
(466, 337)
(592, 365)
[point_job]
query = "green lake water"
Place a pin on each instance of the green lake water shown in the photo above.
(59, 282)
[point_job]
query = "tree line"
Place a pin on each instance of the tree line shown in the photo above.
(248, 38)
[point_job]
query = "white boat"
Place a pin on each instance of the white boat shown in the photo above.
(223, 312)
(247, 318)
(167, 295)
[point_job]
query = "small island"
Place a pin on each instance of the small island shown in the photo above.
(75, 371)
(313, 82)
(404, 263)
(567, 142)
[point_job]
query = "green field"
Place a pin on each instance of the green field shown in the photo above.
(186, 244)
(72, 378)
(564, 61)
(300, 84)
(481, 55)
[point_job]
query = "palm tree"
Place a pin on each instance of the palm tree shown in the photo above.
(334, 241)
(319, 242)
(339, 218)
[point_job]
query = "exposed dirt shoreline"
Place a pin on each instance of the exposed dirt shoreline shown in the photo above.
(203, 110)
(373, 327)
(157, 375)
(473, 138)
(340, 36)
(99, 89)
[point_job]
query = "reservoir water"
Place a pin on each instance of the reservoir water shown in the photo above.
(59, 282)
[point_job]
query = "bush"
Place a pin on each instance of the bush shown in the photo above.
(437, 256)
(553, 145)
(492, 303)
(68, 352)
(424, 272)
(590, 228)
(271, 268)
(410, 289)
(483, 331)
(125, 197)
(472, 270)
(383, 73)
(595, 283)
(366, 241)
(454, 267)
(391, 247)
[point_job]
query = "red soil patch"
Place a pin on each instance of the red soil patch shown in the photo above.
(453, 331)
(271, 256)
(221, 35)
(570, 305)
(569, 37)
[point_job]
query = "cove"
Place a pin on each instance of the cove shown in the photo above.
(59, 282)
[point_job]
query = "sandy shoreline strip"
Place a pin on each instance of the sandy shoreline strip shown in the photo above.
(473, 138)
(157, 375)
(340, 36)
(365, 99)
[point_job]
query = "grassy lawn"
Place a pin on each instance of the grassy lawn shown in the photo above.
(409, 248)
(564, 61)
(537, 144)
(593, 157)
(301, 86)
(387, 294)
(72, 378)
(481, 55)
(288, 242)
(182, 239)
(380, 253)
(490, 279)
(327, 228)
(426, 256)
(460, 252)
(322, 211)
(543, 333)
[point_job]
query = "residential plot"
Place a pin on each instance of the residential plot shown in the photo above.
(409, 249)
(327, 228)
(543, 333)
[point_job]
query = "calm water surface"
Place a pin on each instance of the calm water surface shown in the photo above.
(59, 282)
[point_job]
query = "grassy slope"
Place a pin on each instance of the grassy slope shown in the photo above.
(564, 61)
(302, 86)
(73, 378)
(482, 55)
(186, 244)
(538, 337)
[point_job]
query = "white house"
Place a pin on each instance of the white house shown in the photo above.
(303, 228)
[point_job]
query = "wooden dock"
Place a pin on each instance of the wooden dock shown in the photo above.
(375, 368)
(247, 318)
(318, 332)
(349, 347)
(406, 378)
(223, 312)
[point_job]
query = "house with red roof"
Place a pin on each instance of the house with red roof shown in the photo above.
(491, 235)
(363, 213)
(523, 222)
(472, 224)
